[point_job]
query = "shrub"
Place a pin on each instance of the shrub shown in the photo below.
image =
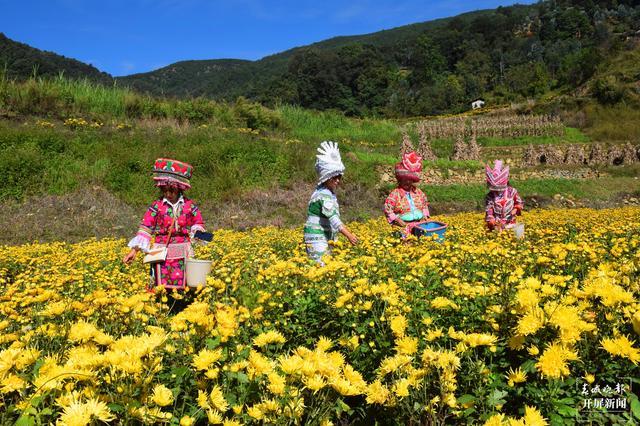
(607, 90)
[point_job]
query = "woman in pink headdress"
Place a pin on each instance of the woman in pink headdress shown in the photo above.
(407, 206)
(173, 220)
(502, 203)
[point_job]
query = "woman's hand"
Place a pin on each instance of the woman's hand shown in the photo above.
(130, 256)
(400, 222)
(352, 238)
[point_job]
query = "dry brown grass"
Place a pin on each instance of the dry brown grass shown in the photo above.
(77, 216)
(95, 213)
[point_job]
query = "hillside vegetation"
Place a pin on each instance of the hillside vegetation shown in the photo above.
(21, 61)
(78, 155)
(560, 53)
(502, 55)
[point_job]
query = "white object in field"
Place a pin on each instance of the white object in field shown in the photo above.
(197, 271)
(517, 229)
(477, 104)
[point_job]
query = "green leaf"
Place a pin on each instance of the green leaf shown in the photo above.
(496, 398)
(464, 399)
(635, 408)
(179, 371)
(243, 378)
(25, 421)
(529, 366)
(556, 419)
(565, 410)
(116, 408)
(342, 407)
(36, 401)
(213, 343)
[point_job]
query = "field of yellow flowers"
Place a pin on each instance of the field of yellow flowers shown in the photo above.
(480, 329)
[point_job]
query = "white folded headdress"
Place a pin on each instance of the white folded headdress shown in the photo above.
(328, 161)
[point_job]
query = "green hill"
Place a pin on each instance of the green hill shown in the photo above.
(21, 61)
(549, 50)
(504, 55)
(195, 78)
(229, 78)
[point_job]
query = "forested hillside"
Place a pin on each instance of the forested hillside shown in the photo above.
(510, 54)
(18, 60)
(503, 55)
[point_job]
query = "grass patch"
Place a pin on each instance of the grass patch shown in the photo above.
(57, 161)
(446, 193)
(376, 157)
(629, 170)
(314, 126)
(443, 148)
(615, 123)
(571, 135)
(65, 98)
(443, 163)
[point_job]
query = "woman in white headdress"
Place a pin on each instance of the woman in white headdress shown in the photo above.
(323, 214)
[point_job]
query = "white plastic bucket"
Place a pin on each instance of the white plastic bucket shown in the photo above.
(197, 271)
(518, 230)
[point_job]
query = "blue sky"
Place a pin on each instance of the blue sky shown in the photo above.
(125, 37)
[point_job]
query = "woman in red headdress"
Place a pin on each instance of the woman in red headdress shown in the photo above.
(407, 206)
(173, 220)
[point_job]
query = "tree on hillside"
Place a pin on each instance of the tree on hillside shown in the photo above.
(316, 77)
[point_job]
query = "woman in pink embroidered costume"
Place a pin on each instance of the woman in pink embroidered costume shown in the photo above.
(407, 206)
(502, 203)
(172, 219)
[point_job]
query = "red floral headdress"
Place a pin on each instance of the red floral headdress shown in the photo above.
(410, 167)
(168, 172)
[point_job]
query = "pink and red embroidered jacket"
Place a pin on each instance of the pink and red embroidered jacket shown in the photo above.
(499, 207)
(397, 203)
(157, 221)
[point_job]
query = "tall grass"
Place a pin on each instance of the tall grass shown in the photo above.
(56, 161)
(51, 96)
(315, 126)
(614, 123)
(63, 98)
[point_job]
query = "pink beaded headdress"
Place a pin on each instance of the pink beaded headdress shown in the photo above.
(168, 172)
(410, 167)
(498, 177)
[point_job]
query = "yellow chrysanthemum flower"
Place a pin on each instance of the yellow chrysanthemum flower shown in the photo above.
(623, 347)
(162, 396)
(553, 361)
(217, 399)
(268, 337)
(206, 357)
(516, 376)
(377, 393)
